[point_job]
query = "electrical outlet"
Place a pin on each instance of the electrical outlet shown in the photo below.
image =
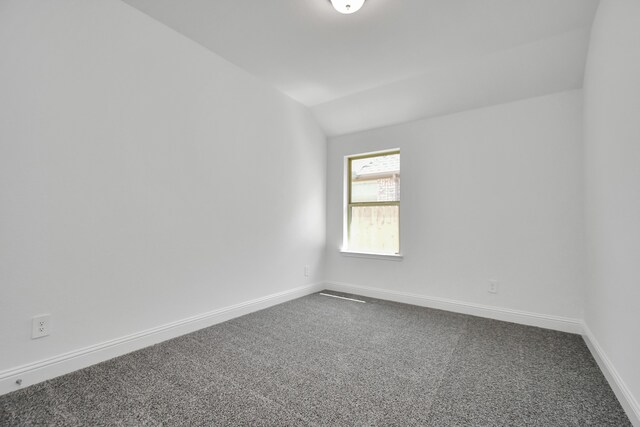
(40, 326)
(493, 287)
(307, 271)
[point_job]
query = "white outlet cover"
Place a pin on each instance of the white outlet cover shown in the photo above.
(493, 286)
(40, 326)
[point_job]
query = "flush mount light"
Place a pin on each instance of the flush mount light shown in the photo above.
(347, 6)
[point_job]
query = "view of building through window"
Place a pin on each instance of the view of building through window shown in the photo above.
(374, 203)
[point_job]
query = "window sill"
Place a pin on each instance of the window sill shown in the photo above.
(386, 257)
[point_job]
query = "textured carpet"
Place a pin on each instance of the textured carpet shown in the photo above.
(325, 361)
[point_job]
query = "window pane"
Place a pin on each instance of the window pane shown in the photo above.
(375, 179)
(375, 229)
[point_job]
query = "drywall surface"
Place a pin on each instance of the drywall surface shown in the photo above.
(551, 65)
(612, 171)
(143, 179)
(488, 194)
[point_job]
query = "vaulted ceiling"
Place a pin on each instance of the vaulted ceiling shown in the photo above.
(394, 60)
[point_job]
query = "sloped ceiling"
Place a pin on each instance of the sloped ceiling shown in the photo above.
(394, 60)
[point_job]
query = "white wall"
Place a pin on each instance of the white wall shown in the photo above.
(612, 164)
(143, 179)
(492, 193)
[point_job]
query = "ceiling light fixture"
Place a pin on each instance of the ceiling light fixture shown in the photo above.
(347, 6)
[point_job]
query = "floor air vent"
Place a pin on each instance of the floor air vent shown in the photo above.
(338, 296)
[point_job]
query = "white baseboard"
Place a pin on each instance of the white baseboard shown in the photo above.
(622, 392)
(557, 323)
(42, 370)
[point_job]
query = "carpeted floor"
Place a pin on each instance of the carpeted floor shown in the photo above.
(326, 361)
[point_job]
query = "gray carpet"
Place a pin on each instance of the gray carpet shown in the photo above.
(325, 361)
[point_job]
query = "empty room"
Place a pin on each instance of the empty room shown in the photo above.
(320, 212)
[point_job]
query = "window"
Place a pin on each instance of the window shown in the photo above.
(373, 203)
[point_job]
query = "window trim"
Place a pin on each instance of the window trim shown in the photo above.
(348, 205)
(373, 255)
